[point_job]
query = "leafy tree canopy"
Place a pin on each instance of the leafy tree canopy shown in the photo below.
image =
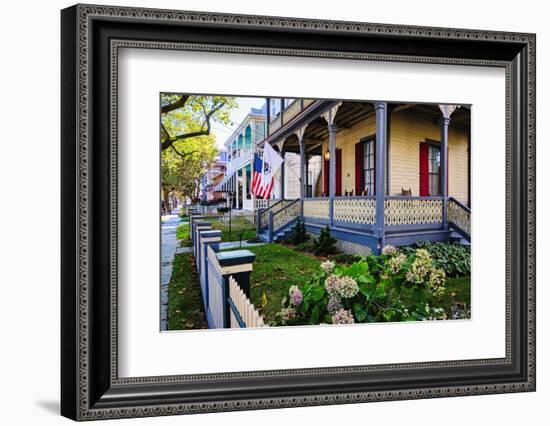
(188, 147)
(184, 117)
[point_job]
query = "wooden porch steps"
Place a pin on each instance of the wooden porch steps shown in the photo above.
(264, 236)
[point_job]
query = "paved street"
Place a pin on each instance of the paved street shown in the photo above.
(169, 245)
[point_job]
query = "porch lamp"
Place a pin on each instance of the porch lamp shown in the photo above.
(327, 155)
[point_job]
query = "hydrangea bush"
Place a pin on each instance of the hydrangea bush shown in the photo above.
(393, 286)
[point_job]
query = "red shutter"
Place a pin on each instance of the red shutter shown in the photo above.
(374, 166)
(358, 168)
(338, 172)
(325, 175)
(424, 170)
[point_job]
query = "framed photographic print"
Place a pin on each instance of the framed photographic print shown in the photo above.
(263, 212)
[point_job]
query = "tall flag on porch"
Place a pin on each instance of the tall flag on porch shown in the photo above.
(257, 175)
(271, 162)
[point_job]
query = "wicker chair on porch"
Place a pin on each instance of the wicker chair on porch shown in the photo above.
(406, 192)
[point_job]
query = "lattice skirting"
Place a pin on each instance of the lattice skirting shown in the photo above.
(353, 248)
(348, 246)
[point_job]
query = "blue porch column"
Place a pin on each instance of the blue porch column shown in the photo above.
(331, 171)
(330, 117)
(381, 109)
(446, 111)
(283, 175)
(301, 141)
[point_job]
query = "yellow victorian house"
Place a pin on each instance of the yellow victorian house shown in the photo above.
(392, 173)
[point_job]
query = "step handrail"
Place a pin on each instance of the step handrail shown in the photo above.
(459, 217)
(272, 217)
(465, 207)
(263, 216)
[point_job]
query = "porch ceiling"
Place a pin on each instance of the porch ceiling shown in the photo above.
(353, 112)
(349, 113)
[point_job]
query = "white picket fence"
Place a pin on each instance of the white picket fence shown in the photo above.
(242, 310)
(226, 304)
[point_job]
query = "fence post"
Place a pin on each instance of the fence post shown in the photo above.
(270, 225)
(199, 226)
(238, 264)
(193, 217)
(208, 238)
(258, 220)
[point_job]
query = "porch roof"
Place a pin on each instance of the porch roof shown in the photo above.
(349, 113)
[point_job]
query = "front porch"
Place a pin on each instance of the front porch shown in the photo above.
(354, 223)
(392, 173)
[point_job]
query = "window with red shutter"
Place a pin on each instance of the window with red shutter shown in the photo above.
(424, 170)
(359, 168)
(369, 167)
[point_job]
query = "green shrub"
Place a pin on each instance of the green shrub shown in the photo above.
(306, 246)
(346, 258)
(299, 235)
(390, 287)
(223, 209)
(324, 245)
(453, 258)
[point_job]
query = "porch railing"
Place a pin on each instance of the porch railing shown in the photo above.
(288, 114)
(359, 210)
(264, 204)
(413, 210)
(458, 216)
(362, 210)
(399, 212)
(316, 208)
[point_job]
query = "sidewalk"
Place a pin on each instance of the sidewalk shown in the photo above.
(168, 246)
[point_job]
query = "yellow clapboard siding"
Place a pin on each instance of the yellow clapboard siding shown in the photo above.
(408, 129)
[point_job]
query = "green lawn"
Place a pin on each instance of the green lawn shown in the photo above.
(185, 309)
(242, 228)
(275, 269)
(182, 233)
(458, 290)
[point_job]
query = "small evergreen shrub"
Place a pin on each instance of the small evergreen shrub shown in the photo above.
(325, 244)
(299, 235)
(306, 246)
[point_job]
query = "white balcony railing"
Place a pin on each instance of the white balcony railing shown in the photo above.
(240, 160)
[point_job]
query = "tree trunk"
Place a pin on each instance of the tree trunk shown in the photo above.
(166, 198)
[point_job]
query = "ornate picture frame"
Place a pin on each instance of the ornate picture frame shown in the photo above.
(91, 36)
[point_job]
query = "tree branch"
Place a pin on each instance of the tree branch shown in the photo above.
(207, 116)
(185, 154)
(174, 105)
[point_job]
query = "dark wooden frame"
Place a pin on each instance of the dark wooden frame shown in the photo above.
(91, 388)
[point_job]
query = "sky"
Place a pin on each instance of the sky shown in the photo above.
(222, 132)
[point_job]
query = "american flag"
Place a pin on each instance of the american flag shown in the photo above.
(257, 188)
